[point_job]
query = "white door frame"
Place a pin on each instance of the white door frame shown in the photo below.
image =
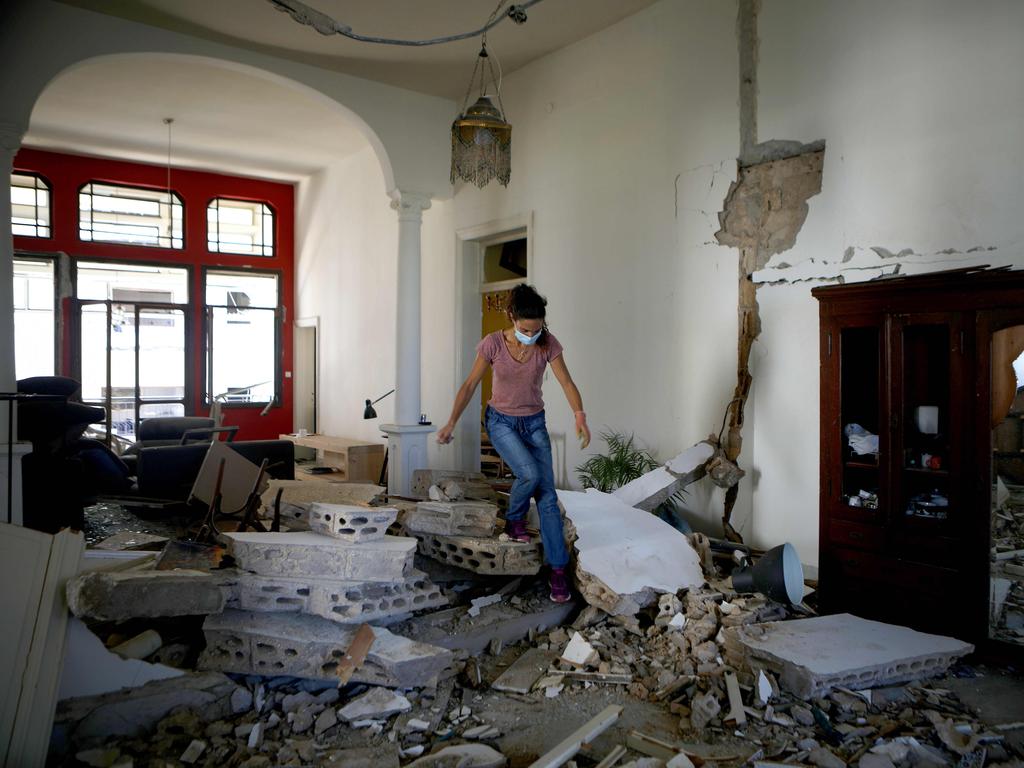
(470, 243)
(314, 323)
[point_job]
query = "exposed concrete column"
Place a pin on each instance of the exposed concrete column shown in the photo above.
(407, 440)
(10, 142)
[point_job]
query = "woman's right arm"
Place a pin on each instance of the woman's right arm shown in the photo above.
(462, 398)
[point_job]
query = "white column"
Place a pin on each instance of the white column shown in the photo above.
(407, 440)
(10, 142)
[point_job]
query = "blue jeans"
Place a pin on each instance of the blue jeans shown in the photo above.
(523, 444)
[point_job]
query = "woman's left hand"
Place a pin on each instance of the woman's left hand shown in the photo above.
(582, 430)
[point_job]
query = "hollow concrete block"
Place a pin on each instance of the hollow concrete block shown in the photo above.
(351, 523)
(452, 518)
(119, 595)
(306, 553)
(246, 642)
(487, 556)
(341, 601)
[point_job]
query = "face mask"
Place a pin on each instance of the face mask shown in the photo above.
(527, 340)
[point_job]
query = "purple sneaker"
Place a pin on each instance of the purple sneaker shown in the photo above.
(559, 586)
(516, 530)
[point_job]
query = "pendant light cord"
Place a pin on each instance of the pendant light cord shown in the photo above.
(327, 25)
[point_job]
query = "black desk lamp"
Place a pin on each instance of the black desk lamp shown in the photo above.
(368, 412)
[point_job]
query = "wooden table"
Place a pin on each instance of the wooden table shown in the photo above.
(353, 460)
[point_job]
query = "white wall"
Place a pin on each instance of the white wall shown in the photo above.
(346, 255)
(623, 147)
(921, 105)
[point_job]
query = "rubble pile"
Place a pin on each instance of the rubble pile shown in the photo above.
(1007, 598)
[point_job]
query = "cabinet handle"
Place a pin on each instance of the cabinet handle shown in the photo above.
(856, 535)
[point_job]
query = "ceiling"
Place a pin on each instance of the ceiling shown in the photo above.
(223, 120)
(440, 70)
(240, 123)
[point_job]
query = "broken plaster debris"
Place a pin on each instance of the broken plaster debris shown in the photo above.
(626, 557)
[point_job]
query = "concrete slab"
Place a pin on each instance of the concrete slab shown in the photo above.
(341, 601)
(811, 656)
(652, 489)
(351, 523)
(309, 646)
(626, 557)
(147, 593)
(481, 555)
(525, 671)
(452, 518)
(306, 553)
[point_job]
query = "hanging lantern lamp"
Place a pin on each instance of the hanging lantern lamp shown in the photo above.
(481, 136)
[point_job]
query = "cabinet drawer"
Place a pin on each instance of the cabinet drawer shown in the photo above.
(850, 565)
(842, 533)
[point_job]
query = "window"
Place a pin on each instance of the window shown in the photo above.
(132, 344)
(242, 338)
(30, 205)
(238, 226)
(130, 215)
(34, 329)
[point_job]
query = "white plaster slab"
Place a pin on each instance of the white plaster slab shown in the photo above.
(313, 539)
(693, 457)
(628, 549)
(90, 669)
(645, 486)
(660, 483)
(815, 654)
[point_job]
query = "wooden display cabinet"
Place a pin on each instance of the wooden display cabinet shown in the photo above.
(904, 529)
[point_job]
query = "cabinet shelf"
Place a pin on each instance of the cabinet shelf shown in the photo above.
(861, 465)
(930, 472)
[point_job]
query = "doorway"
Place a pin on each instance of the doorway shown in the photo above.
(491, 259)
(305, 367)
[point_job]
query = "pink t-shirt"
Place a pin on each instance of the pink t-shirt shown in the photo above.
(516, 386)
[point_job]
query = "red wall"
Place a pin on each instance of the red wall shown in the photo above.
(67, 173)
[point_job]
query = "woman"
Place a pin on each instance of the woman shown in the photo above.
(515, 421)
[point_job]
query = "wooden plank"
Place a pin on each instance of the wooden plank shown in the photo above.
(732, 686)
(592, 677)
(33, 727)
(356, 654)
(585, 734)
(525, 671)
(650, 746)
(613, 757)
(24, 555)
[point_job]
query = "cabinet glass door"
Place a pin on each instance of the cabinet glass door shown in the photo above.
(863, 438)
(928, 428)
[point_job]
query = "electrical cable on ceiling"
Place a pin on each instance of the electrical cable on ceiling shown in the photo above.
(326, 25)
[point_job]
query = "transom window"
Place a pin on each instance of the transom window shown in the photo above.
(240, 226)
(30, 205)
(130, 215)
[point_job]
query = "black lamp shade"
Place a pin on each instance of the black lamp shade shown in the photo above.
(777, 574)
(368, 411)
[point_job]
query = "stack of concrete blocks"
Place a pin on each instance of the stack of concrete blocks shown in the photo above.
(298, 496)
(463, 533)
(298, 586)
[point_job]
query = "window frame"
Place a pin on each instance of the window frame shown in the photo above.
(103, 243)
(273, 230)
(49, 189)
(188, 309)
(207, 368)
(57, 264)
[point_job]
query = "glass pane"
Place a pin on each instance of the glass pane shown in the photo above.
(239, 290)
(131, 215)
(926, 446)
(161, 354)
(240, 226)
(160, 410)
(1006, 594)
(132, 282)
(242, 353)
(30, 206)
(859, 350)
(34, 331)
(94, 352)
(122, 369)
